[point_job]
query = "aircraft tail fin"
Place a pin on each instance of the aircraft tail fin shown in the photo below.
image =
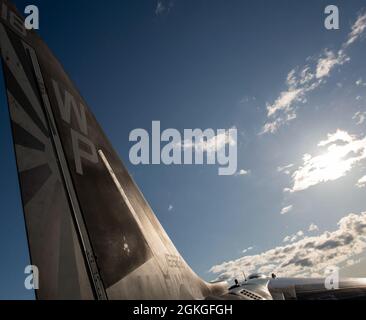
(91, 233)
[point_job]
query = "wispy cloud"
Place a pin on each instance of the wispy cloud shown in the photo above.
(343, 152)
(360, 117)
(313, 227)
(287, 209)
(360, 83)
(328, 61)
(170, 207)
(243, 172)
(247, 249)
(163, 6)
(213, 144)
(296, 236)
(247, 99)
(285, 169)
(309, 256)
(302, 80)
(358, 29)
(361, 183)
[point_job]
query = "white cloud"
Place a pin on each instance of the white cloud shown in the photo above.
(360, 83)
(285, 169)
(309, 256)
(352, 262)
(213, 144)
(170, 208)
(286, 209)
(160, 8)
(300, 81)
(358, 29)
(360, 117)
(273, 126)
(300, 233)
(243, 172)
(282, 110)
(328, 62)
(358, 98)
(294, 237)
(247, 249)
(313, 227)
(247, 99)
(163, 6)
(285, 100)
(343, 152)
(339, 135)
(361, 183)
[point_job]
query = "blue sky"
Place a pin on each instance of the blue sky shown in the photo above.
(219, 64)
